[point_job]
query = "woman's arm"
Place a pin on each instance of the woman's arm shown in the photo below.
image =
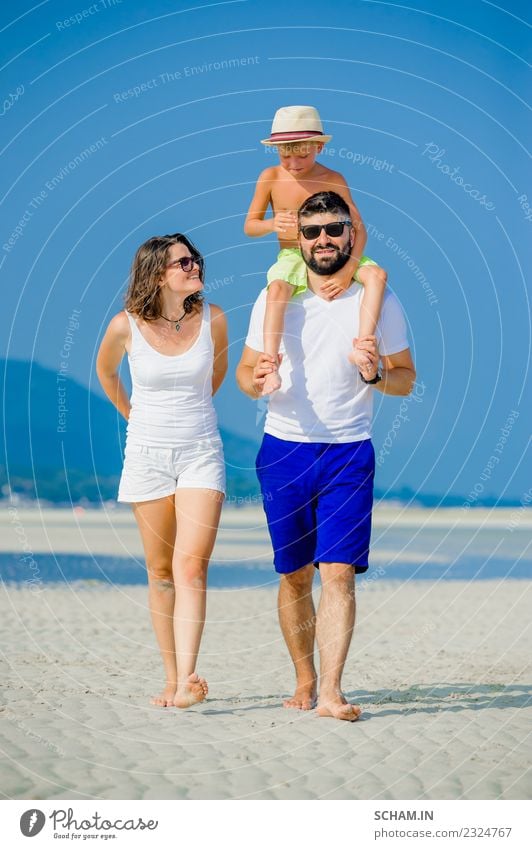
(219, 337)
(109, 357)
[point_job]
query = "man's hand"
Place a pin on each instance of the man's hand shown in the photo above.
(284, 222)
(266, 364)
(365, 347)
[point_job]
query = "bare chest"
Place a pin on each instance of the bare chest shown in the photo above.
(163, 337)
(290, 194)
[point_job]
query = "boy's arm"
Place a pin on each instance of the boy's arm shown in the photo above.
(256, 224)
(361, 235)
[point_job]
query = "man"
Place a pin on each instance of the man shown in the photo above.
(316, 463)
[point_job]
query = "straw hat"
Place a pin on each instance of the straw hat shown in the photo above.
(296, 123)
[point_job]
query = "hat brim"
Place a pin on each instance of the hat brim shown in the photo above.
(276, 142)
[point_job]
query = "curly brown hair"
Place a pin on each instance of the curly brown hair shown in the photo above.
(143, 297)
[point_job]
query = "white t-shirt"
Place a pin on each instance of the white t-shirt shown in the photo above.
(322, 398)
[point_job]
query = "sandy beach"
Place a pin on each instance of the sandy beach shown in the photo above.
(442, 672)
(441, 669)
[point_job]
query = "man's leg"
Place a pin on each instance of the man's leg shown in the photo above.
(334, 629)
(298, 624)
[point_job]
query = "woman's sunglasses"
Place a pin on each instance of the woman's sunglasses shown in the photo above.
(334, 229)
(186, 263)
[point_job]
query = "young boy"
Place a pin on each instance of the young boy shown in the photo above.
(298, 135)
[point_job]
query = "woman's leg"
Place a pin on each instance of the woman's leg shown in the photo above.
(157, 526)
(197, 517)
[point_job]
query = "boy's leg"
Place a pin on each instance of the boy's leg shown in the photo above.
(373, 279)
(277, 298)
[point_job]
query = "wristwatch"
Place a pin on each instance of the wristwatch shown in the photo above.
(376, 379)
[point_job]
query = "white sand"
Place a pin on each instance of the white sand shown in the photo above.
(441, 669)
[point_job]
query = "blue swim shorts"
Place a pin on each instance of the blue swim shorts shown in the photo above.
(317, 498)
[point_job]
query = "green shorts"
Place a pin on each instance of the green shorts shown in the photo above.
(291, 267)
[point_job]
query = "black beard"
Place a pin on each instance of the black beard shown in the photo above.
(327, 265)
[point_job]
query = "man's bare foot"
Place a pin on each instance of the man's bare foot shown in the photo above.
(272, 383)
(304, 698)
(191, 692)
(166, 698)
(339, 708)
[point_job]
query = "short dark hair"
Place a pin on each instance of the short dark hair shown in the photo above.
(323, 202)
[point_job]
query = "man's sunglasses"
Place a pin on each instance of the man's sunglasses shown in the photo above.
(186, 263)
(334, 229)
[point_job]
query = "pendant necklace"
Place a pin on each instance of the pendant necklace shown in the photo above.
(176, 322)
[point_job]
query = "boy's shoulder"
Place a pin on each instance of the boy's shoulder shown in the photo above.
(269, 175)
(334, 177)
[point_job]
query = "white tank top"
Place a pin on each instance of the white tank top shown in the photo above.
(171, 401)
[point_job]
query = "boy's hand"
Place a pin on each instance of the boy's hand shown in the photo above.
(284, 221)
(332, 289)
(336, 286)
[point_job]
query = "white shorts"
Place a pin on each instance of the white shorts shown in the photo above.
(151, 473)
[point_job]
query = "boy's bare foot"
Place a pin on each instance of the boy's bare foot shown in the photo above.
(166, 698)
(191, 692)
(304, 698)
(272, 383)
(339, 708)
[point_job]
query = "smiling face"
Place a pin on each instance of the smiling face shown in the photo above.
(326, 254)
(181, 281)
(298, 158)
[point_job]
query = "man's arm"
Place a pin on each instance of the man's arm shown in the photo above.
(398, 374)
(252, 370)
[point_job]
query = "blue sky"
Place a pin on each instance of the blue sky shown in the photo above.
(171, 100)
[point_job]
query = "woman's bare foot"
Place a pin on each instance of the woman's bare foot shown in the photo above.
(338, 707)
(191, 692)
(166, 698)
(304, 698)
(272, 383)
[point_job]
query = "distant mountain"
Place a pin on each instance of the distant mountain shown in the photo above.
(62, 442)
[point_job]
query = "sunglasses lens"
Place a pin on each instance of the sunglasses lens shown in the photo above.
(334, 229)
(187, 263)
(311, 231)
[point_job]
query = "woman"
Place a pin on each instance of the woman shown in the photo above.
(174, 474)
